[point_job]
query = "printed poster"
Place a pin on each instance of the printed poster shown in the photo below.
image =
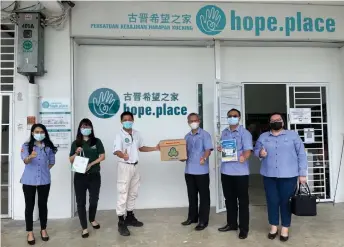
(309, 135)
(229, 150)
(300, 116)
(55, 114)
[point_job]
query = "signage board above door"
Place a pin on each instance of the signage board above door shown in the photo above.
(197, 20)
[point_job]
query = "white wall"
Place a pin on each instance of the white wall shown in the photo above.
(340, 191)
(294, 65)
(56, 83)
(146, 69)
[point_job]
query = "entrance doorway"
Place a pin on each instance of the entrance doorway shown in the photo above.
(260, 101)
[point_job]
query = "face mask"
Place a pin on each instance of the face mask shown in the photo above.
(276, 125)
(233, 120)
(127, 124)
(194, 125)
(85, 131)
(39, 137)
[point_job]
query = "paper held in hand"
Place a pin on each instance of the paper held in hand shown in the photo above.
(80, 163)
(229, 150)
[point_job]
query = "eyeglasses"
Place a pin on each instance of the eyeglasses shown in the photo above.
(276, 121)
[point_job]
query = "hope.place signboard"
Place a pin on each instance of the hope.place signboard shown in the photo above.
(232, 21)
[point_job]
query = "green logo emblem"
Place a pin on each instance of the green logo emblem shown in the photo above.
(45, 104)
(104, 103)
(27, 45)
(173, 152)
(126, 140)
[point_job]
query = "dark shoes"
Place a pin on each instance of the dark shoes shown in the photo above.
(228, 228)
(272, 236)
(189, 222)
(201, 226)
(130, 220)
(123, 229)
(46, 238)
(85, 234)
(284, 238)
(96, 226)
(31, 242)
(243, 234)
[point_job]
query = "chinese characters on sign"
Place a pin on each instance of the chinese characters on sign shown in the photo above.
(155, 18)
(155, 96)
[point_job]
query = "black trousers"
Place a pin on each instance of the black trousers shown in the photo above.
(235, 189)
(30, 195)
(82, 183)
(198, 184)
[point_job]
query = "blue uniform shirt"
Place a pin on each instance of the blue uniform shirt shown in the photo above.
(196, 145)
(244, 142)
(286, 155)
(37, 172)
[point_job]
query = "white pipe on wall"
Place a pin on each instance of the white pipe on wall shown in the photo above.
(33, 103)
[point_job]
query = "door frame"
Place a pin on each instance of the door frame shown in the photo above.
(328, 108)
(329, 129)
(217, 135)
(10, 155)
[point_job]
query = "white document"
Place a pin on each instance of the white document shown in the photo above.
(80, 164)
(300, 115)
(309, 135)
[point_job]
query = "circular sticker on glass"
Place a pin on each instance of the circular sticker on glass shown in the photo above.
(27, 45)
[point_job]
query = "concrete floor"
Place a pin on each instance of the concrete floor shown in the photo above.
(162, 228)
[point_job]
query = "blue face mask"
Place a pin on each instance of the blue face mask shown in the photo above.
(39, 137)
(85, 131)
(233, 120)
(127, 124)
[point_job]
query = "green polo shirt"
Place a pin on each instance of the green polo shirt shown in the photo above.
(91, 152)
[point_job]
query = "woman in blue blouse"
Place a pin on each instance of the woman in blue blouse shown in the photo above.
(284, 162)
(38, 155)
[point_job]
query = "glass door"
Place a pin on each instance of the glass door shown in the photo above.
(6, 153)
(227, 96)
(307, 115)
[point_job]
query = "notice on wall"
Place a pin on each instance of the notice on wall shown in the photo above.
(309, 135)
(300, 116)
(55, 114)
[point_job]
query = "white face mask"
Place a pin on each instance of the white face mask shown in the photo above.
(194, 125)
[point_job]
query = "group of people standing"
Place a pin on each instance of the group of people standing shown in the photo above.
(283, 164)
(282, 153)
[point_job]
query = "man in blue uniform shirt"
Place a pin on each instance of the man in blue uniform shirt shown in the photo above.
(199, 147)
(235, 175)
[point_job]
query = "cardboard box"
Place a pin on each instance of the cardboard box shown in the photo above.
(173, 150)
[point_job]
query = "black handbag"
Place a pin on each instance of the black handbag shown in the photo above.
(303, 203)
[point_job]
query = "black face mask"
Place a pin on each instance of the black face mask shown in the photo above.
(276, 125)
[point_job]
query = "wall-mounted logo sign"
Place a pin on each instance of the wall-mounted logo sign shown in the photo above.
(211, 20)
(104, 103)
(45, 104)
(27, 46)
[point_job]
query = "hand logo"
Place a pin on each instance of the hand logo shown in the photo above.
(211, 20)
(104, 103)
